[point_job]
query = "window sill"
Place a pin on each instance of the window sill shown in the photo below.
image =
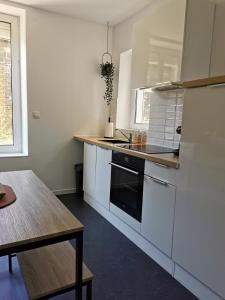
(5, 155)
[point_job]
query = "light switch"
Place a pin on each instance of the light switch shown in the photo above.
(36, 114)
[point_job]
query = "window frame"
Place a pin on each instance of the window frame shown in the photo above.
(18, 78)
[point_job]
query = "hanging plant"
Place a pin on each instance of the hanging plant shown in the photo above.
(107, 72)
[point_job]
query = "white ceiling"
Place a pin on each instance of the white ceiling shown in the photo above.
(101, 11)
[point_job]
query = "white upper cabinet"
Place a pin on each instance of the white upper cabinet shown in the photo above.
(217, 66)
(158, 45)
(198, 39)
(89, 169)
(103, 176)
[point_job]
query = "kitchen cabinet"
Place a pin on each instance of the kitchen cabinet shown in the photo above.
(90, 155)
(198, 39)
(217, 66)
(199, 239)
(158, 44)
(158, 213)
(179, 41)
(103, 176)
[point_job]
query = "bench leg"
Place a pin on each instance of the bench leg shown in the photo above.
(79, 266)
(89, 291)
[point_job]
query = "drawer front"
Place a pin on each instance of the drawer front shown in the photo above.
(161, 172)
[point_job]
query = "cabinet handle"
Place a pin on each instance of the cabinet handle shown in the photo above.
(125, 169)
(160, 181)
(161, 165)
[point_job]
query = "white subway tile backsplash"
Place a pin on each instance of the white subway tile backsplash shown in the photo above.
(171, 116)
(156, 128)
(157, 121)
(169, 129)
(169, 136)
(165, 116)
(156, 142)
(169, 144)
(169, 122)
(158, 115)
(158, 108)
(158, 135)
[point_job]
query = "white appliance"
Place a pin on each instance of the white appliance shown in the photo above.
(199, 236)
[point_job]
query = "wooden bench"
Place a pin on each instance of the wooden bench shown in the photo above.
(50, 271)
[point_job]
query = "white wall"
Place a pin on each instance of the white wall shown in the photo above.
(62, 59)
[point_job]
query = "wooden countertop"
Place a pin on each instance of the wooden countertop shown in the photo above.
(167, 159)
(204, 82)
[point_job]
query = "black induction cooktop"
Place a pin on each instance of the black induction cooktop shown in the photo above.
(148, 149)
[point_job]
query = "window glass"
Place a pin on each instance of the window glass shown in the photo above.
(142, 107)
(6, 103)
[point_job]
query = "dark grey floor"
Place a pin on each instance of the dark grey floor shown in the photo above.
(122, 271)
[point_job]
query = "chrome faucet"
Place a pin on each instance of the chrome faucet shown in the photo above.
(129, 138)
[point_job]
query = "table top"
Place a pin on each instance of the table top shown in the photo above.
(37, 213)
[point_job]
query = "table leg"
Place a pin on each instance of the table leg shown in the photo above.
(79, 263)
(10, 262)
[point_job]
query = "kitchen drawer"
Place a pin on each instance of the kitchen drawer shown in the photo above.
(161, 172)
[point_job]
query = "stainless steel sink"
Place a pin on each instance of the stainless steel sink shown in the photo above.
(114, 141)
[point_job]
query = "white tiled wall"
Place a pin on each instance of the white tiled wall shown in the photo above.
(165, 116)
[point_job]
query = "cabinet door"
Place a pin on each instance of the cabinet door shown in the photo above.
(89, 169)
(103, 176)
(158, 44)
(199, 239)
(198, 39)
(217, 67)
(158, 213)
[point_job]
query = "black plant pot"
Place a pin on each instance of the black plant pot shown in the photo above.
(106, 69)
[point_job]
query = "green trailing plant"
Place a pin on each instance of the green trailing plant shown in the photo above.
(107, 72)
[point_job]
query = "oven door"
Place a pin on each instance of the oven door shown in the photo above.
(127, 190)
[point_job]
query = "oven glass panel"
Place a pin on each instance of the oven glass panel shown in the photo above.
(126, 192)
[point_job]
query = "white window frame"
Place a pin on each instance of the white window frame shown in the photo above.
(16, 17)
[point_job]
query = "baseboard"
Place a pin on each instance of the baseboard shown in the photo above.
(195, 286)
(65, 191)
(164, 261)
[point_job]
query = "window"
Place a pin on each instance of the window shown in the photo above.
(13, 115)
(142, 107)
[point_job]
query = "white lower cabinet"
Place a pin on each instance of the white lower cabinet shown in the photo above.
(90, 152)
(103, 176)
(158, 213)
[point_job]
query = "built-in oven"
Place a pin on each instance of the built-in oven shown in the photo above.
(127, 177)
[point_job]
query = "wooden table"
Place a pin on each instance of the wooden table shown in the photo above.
(37, 219)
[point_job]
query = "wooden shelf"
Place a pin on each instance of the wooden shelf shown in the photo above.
(204, 82)
(51, 269)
